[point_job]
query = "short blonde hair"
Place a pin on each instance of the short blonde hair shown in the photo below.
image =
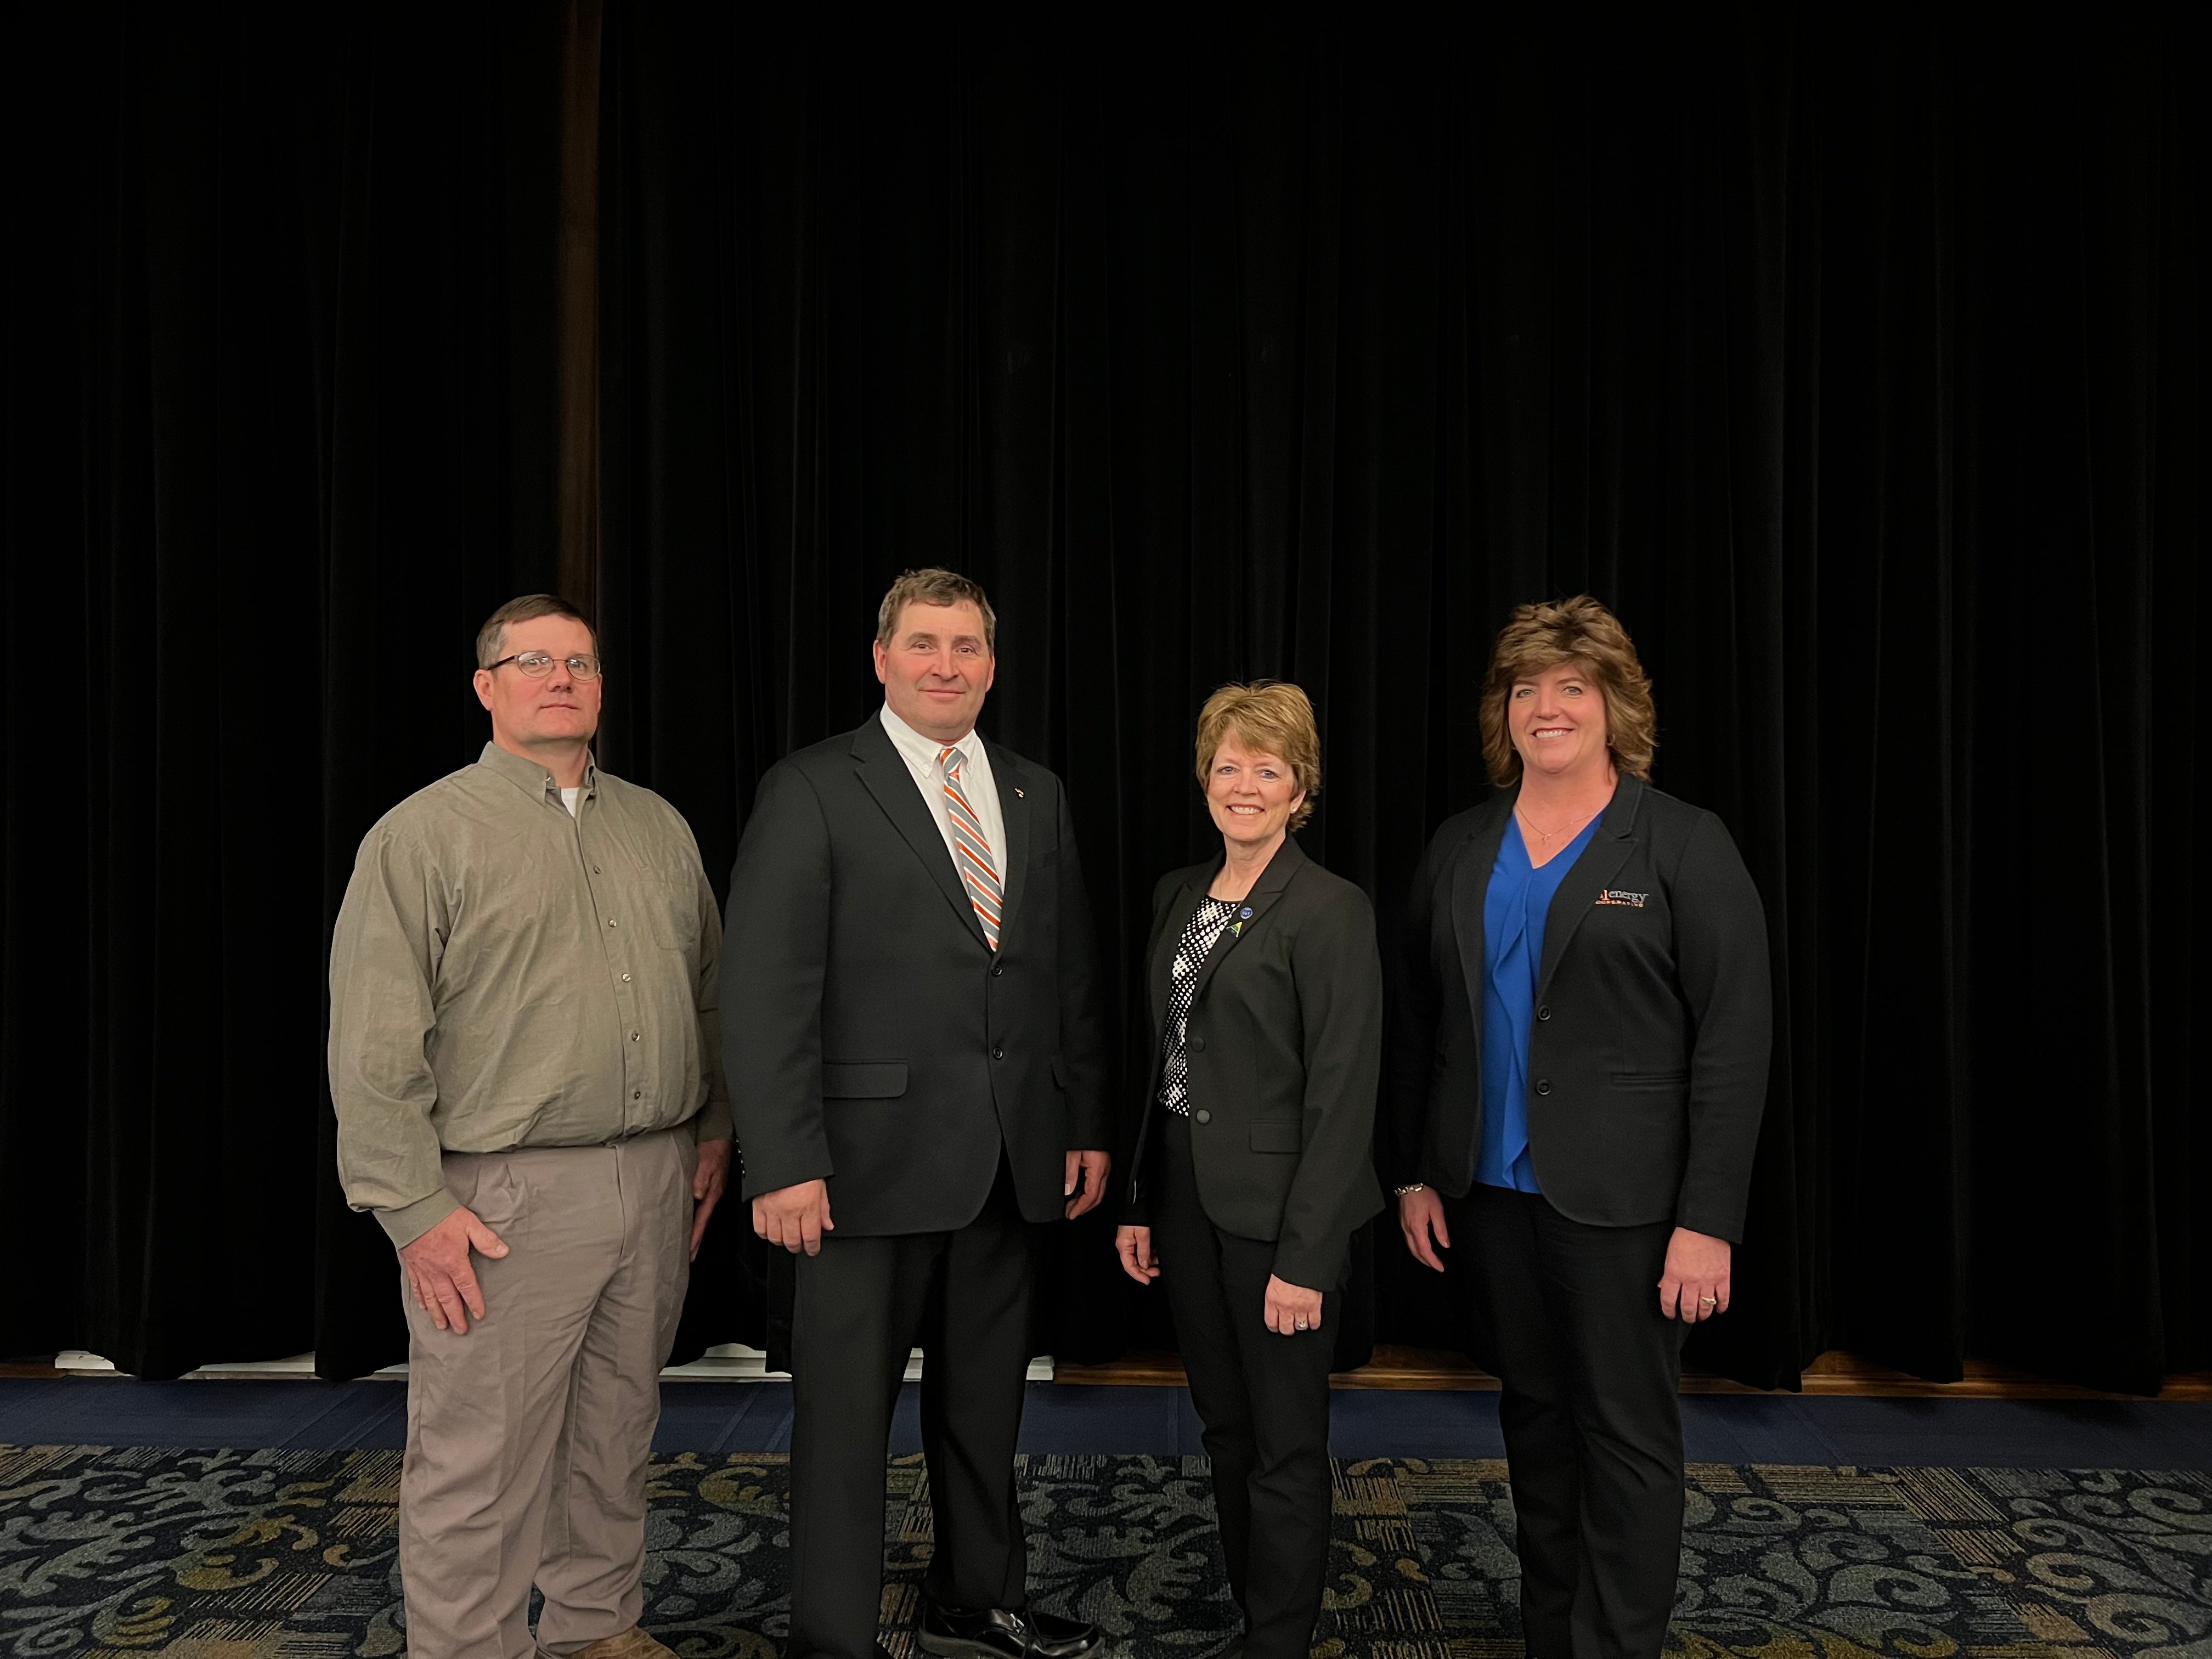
(935, 586)
(1272, 716)
(1547, 635)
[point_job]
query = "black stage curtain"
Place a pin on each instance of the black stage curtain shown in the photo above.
(1858, 366)
(279, 435)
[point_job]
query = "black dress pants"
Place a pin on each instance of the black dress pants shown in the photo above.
(1569, 1316)
(1262, 1398)
(857, 1310)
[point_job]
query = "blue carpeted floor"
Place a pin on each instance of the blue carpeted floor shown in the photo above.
(1071, 1420)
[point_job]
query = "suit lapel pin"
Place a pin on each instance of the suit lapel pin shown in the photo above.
(1246, 913)
(1020, 796)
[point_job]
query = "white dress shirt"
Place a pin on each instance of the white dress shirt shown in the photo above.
(920, 753)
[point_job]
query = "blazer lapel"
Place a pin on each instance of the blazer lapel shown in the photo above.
(1593, 872)
(1257, 902)
(885, 773)
(1471, 895)
(1165, 939)
(1008, 777)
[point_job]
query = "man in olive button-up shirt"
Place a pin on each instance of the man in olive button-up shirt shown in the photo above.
(525, 1054)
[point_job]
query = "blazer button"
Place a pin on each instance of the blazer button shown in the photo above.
(1199, 1044)
(1201, 1115)
(1544, 1012)
(1543, 1085)
(998, 1054)
(997, 969)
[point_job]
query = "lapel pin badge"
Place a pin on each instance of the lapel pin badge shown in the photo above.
(1246, 913)
(1020, 796)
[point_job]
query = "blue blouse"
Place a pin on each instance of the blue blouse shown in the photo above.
(1513, 912)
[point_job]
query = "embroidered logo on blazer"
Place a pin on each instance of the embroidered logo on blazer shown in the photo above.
(1615, 896)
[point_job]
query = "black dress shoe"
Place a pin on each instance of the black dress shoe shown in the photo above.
(999, 1633)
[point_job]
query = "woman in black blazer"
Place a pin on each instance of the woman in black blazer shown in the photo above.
(1252, 1167)
(1578, 1069)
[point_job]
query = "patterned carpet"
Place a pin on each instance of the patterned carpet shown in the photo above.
(267, 1555)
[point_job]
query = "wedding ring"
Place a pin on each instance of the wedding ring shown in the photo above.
(1710, 1301)
(1302, 1324)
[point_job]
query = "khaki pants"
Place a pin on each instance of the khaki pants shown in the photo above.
(527, 1439)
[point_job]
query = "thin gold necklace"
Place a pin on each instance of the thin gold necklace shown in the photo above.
(1548, 835)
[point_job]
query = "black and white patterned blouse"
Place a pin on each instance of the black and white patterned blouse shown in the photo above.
(1199, 935)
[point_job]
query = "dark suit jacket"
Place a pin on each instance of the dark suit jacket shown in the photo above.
(1285, 1049)
(1647, 1061)
(870, 1034)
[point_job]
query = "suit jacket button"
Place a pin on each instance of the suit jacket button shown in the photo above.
(1544, 1012)
(998, 1054)
(1543, 1085)
(997, 969)
(1201, 1115)
(1197, 1042)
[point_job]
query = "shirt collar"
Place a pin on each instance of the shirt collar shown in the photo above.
(532, 779)
(920, 752)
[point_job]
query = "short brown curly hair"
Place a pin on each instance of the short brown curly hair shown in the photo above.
(1272, 716)
(1577, 630)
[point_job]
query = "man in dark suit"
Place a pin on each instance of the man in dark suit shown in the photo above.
(917, 1062)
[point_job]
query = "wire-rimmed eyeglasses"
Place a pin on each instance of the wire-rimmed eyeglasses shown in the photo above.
(538, 665)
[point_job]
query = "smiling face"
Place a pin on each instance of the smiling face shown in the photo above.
(937, 668)
(1557, 718)
(557, 712)
(1250, 792)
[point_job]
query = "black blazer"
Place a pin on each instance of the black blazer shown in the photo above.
(1647, 1061)
(1285, 1050)
(870, 1034)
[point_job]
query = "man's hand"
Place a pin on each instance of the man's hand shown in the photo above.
(1695, 1284)
(1420, 1217)
(795, 1217)
(1290, 1310)
(1091, 1168)
(438, 1269)
(707, 1179)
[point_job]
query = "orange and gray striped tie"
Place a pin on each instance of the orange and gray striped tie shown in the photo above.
(972, 848)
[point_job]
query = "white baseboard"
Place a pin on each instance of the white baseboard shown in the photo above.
(727, 1362)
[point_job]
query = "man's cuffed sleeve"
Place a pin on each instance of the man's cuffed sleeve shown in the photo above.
(384, 955)
(713, 1123)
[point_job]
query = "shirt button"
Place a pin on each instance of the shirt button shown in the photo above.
(634, 1037)
(1201, 1115)
(611, 922)
(637, 1094)
(625, 979)
(1544, 1014)
(1543, 1085)
(595, 869)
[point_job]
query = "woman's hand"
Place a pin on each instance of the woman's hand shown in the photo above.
(1288, 1309)
(1695, 1284)
(1420, 1215)
(1135, 1246)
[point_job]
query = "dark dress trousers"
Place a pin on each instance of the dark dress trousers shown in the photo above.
(875, 1040)
(1270, 1174)
(1647, 1077)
